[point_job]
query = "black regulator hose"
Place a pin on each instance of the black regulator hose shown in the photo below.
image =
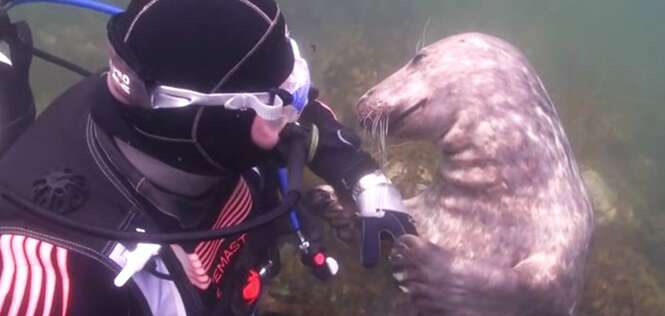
(290, 199)
(294, 146)
(61, 62)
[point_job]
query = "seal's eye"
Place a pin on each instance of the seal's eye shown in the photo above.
(417, 59)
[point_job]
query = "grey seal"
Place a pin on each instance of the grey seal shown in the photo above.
(506, 228)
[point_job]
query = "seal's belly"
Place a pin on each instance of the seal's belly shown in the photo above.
(473, 235)
(505, 194)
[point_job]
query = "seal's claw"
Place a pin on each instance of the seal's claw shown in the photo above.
(322, 201)
(401, 253)
(406, 260)
(411, 246)
(397, 258)
(410, 241)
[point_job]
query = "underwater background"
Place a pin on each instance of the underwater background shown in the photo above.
(602, 61)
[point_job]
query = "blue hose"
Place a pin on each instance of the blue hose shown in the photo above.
(283, 183)
(86, 4)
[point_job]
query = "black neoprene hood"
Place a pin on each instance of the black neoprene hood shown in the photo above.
(198, 44)
(231, 45)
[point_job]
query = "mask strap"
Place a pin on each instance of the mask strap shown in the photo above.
(123, 82)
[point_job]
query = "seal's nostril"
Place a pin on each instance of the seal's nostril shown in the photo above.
(365, 98)
(361, 100)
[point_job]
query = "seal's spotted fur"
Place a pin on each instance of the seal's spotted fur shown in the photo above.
(507, 228)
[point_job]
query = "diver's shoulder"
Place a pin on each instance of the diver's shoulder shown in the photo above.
(61, 127)
(56, 145)
(77, 99)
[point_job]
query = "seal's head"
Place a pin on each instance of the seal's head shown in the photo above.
(457, 72)
(391, 103)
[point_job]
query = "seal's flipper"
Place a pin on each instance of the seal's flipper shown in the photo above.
(438, 281)
(394, 224)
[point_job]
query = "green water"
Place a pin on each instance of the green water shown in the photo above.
(603, 63)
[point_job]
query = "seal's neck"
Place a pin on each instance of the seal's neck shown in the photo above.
(424, 207)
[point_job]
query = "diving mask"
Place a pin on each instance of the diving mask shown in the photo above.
(128, 88)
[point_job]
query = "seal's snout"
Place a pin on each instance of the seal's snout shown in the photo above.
(394, 95)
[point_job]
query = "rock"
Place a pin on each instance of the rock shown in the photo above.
(622, 280)
(603, 198)
(654, 234)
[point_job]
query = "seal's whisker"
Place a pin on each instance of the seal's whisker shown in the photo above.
(383, 133)
(423, 38)
(378, 131)
(377, 125)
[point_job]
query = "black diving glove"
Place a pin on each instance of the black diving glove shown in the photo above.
(382, 213)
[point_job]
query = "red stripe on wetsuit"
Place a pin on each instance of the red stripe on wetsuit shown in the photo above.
(235, 211)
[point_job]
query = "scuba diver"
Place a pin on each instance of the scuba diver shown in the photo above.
(153, 188)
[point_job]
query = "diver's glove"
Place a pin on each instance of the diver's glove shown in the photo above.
(381, 212)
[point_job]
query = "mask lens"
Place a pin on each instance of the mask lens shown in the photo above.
(168, 100)
(289, 115)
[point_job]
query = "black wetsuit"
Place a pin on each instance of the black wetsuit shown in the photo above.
(66, 163)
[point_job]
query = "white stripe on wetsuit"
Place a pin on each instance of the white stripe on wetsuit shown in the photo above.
(32, 276)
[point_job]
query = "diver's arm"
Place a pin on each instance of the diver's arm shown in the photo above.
(337, 157)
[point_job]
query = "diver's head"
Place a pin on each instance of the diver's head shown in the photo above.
(206, 85)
